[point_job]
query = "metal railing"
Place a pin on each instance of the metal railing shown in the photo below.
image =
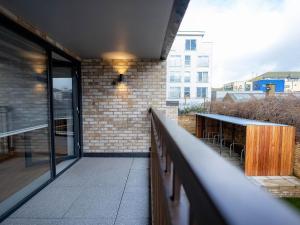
(191, 184)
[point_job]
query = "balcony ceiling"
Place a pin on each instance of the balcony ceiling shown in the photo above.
(93, 28)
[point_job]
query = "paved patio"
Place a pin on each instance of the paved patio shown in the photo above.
(280, 186)
(95, 191)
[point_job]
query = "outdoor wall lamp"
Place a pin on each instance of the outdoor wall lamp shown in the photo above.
(119, 80)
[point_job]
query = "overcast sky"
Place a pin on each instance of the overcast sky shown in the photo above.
(250, 36)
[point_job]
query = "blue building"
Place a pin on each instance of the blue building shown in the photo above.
(266, 85)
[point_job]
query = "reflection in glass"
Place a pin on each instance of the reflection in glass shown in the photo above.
(24, 142)
(63, 113)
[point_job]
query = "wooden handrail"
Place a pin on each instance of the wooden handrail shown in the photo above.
(191, 184)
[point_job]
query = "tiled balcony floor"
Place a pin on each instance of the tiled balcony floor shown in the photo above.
(102, 191)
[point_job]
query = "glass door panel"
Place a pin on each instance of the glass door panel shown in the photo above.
(64, 103)
(24, 131)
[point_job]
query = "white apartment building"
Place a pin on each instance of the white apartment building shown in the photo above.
(189, 69)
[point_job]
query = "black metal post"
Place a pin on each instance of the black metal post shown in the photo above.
(221, 134)
(51, 117)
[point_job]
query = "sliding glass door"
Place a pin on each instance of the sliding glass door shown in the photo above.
(65, 104)
(24, 118)
(39, 116)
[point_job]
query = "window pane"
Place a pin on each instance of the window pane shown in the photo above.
(63, 113)
(187, 77)
(203, 61)
(193, 45)
(187, 60)
(203, 77)
(187, 45)
(204, 90)
(24, 143)
(190, 44)
(201, 92)
(199, 76)
(187, 92)
(175, 77)
(174, 92)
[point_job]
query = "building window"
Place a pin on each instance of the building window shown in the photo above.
(247, 87)
(187, 77)
(175, 77)
(187, 60)
(187, 92)
(203, 77)
(174, 92)
(203, 61)
(201, 92)
(175, 60)
(190, 45)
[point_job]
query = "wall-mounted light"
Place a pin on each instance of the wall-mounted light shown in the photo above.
(119, 80)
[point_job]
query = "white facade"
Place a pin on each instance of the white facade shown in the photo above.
(189, 68)
(291, 85)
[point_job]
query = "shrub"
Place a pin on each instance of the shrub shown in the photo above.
(285, 110)
(191, 109)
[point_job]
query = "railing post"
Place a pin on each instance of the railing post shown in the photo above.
(168, 163)
(162, 145)
(192, 219)
(176, 186)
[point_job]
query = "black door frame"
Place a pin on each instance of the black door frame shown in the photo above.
(75, 108)
(13, 26)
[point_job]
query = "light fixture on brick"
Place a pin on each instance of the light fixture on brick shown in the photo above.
(119, 80)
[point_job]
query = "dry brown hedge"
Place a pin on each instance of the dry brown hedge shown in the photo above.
(285, 110)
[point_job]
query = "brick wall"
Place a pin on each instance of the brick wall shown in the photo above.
(188, 122)
(297, 158)
(115, 118)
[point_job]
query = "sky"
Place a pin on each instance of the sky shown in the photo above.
(62, 83)
(250, 37)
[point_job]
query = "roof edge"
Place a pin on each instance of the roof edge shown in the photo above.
(10, 17)
(177, 13)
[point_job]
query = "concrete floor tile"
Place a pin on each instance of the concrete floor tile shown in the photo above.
(140, 164)
(139, 221)
(138, 178)
(49, 203)
(133, 206)
(24, 221)
(139, 190)
(99, 221)
(96, 202)
(113, 178)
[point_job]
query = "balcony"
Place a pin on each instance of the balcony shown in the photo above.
(76, 131)
(94, 191)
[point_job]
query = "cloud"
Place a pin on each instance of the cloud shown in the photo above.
(250, 37)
